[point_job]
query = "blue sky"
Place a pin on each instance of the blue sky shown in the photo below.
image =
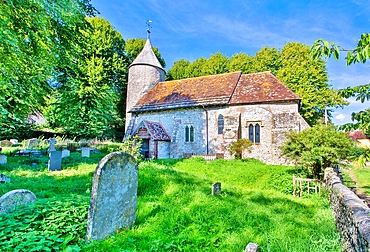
(193, 29)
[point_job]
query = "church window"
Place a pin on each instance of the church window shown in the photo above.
(254, 133)
(220, 124)
(189, 133)
(251, 133)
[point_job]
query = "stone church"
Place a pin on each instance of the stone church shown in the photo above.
(204, 115)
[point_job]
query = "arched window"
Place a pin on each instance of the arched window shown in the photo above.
(220, 123)
(189, 133)
(257, 133)
(251, 133)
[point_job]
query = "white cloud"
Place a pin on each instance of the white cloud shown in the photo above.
(340, 117)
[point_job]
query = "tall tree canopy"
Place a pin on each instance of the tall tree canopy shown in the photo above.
(87, 102)
(360, 54)
(34, 38)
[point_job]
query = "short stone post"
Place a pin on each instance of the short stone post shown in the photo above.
(216, 188)
(252, 247)
(114, 196)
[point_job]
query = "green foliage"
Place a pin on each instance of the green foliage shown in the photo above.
(317, 148)
(267, 59)
(323, 48)
(178, 70)
(34, 38)
(175, 212)
(216, 64)
(237, 148)
(241, 62)
(308, 78)
(132, 146)
(86, 105)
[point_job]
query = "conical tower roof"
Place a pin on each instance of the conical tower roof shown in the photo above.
(147, 57)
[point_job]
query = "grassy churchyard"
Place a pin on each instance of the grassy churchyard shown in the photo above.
(175, 211)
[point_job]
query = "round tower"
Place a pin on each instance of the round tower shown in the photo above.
(143, 74)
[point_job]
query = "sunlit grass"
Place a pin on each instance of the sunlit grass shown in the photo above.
(176, 211)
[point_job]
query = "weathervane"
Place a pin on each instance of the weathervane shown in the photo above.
(148, 26)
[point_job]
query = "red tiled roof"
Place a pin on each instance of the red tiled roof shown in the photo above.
(221, 89)
(157, 131)
(357, 134)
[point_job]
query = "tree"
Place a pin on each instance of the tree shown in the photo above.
(216, 64)
(196, 68)
(317, 148)
(179, 70)
(135, 45)
(34, 36)
(308, 78)
(237, 148)
(241, 62)
(267, 59)
(86, 104)
(360, 54)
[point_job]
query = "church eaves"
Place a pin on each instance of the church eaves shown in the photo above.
(147, 57)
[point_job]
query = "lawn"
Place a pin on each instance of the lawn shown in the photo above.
(175, 212)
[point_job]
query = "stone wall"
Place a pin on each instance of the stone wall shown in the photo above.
(351, 214)
(275, 120)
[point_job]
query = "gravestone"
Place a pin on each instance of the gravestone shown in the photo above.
(85, 152)
(113, 196)
(65, 153)
(3, 159)
(14, 141)
(15, 198)
(32, 143)
(4, 179)
(252, 247)
(6, 143)
(52, 142)
(216, 188)
(55, 161)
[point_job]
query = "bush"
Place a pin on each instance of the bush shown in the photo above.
(317, 148)
(237, 148)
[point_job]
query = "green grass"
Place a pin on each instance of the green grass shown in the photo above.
(363, 178)
(175, 212)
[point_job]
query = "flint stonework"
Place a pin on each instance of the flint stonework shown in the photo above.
(114, 196)
(15, 198)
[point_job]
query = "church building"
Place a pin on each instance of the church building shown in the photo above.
(204, 115)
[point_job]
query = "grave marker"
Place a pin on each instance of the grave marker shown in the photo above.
(55, 161)
(65, 153)
(113, 196)
(15, 198)
(4, 179)
(85, 152)
(216, 188)
(52, 142)
(32, 143)
(3, 159)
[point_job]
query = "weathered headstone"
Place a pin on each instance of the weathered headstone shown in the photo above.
(85, 152)
(55, 161)
(216, 188)
(4, 179)
(6, 143)
(114, 196)
(14, 141)
(52, 142)
(65, 153)
(252, 247)
(32, 143)
(3, 159)
(15, 198)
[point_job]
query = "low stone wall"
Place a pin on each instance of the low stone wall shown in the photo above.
(351, 214)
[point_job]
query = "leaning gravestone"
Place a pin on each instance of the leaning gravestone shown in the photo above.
(32, 143)
(3, 159)
(15, 198)
(4, 179)
(55, 161)
(113, 196)
(85, 152)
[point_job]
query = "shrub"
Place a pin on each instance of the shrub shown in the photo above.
(317, 148)
(237, 148)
